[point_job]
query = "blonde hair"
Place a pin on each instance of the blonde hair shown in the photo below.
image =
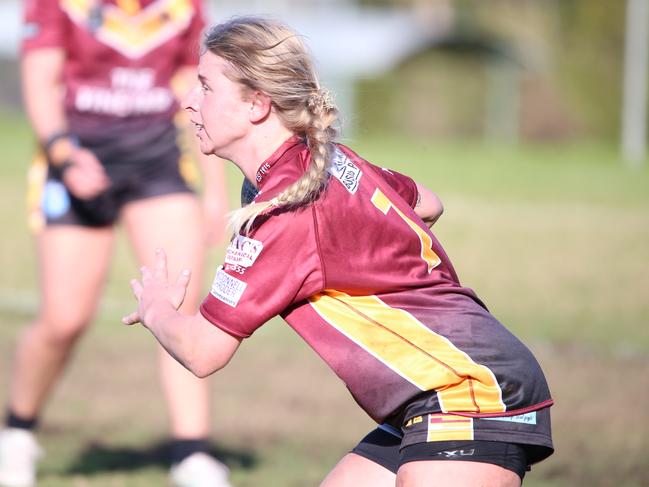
(265, 55)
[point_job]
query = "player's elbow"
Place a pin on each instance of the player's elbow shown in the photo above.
(437, 208)
(202, 372)
(203, 367)
(432, 210)
(204, 361)
(208, 348)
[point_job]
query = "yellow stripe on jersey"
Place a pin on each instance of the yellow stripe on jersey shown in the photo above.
(405, 345)
(429, 256)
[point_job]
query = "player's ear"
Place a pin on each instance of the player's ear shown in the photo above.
(260, 106)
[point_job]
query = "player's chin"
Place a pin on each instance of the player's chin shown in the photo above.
(206, 148)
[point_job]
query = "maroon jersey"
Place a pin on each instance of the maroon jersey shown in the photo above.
(120, 55)
(362, 279)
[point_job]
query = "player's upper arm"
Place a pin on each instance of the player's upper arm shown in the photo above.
(43, 65)
(429, 207)
(277, 265)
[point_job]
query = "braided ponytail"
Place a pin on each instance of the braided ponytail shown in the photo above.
(267, 56)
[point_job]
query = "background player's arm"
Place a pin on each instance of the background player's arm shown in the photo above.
(41, 71)
(41, 86)
(215, 201)
(197, 344)
(429, 207)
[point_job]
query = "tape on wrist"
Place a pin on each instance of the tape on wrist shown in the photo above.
(56, 136)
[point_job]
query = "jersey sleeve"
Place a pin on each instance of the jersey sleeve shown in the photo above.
(403, 185)
(192, 38)
(44, 25)
(264, 274)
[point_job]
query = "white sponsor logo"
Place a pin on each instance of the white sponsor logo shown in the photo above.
(235, 268)
(263, 170)
(345, 171)
(227, 288)
(528, 418)
(243, 251)
(132, 92)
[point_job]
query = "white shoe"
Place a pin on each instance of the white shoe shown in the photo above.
(200, 470)
(19, 453)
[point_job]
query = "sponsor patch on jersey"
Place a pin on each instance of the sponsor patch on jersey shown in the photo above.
(227, 288)
(243, 251)
(262, 172)
(449, 427)
(345, 171)
(527, 418)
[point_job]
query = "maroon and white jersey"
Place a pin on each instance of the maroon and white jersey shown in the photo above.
(362, 279)
(120, 55)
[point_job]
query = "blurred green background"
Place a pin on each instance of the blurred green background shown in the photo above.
(513, 117)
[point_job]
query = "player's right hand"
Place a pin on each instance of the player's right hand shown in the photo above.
(154, 291)
(85, 178)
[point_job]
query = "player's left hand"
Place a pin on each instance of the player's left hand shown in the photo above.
(155, 291)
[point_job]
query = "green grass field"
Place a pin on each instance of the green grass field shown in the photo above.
(555, 239)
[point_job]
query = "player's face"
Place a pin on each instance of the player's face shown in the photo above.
(217, 108)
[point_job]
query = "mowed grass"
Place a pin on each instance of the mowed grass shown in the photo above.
(553, 238)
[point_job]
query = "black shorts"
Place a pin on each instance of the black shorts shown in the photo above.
(513, 441)
(147, 179)
(384, 447)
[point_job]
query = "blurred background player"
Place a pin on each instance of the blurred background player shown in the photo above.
(97, 82)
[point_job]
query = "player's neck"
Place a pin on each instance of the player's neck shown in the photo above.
(262, 142)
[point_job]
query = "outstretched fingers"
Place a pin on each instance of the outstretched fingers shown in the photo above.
(155, 281)
(137, 289)
(183, 279)
(160, 269)
(131, 319)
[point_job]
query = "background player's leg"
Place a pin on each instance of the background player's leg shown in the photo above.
(174, 222)
(455, 474)
(354, 470)
(73, 264)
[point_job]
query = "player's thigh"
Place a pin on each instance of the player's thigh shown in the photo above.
(374, 461)
(462, 463)
(440, 473)
(73, 263)
(172, 222)
(354, 470)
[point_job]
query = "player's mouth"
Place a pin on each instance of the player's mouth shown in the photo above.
(199, 127)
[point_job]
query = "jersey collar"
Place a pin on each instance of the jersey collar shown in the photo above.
(267, 166)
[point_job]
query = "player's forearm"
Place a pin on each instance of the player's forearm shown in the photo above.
(195, 343)
(173, 330)
(42, 93)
